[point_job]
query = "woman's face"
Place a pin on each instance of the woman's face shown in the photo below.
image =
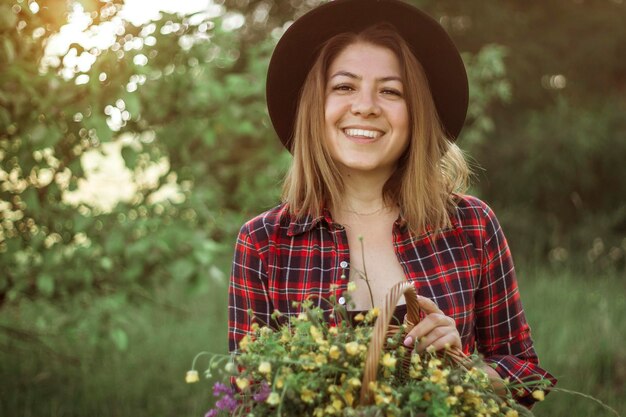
(367, 121)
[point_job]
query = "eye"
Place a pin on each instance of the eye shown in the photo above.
(392, 91)
(343, 87)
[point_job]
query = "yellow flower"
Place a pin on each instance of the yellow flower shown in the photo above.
(382, 399)
(539, 395)
(351, 286)
(440, 376)
(334, 352)
(352, 348)
(458, 390)
(242, 383)
(333, 330)
(230, 368)
(415, 358)
(273, 399)
(337, 403)
(386, 388)
(359, 317)
(191, 377)
(317, 335)
(265, 367)
(437, 376)
(279, 383)
(451, 400)
(354, 382)
(320, 359)
(302, 317)
(243, 343)
(511, 413)
(434, 363)
(307, 395)
(329, 410)
(349, 398)
(389, 361)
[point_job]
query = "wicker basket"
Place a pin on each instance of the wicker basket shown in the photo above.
(382, 329)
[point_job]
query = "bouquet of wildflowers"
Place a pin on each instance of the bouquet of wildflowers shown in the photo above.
(309, 368)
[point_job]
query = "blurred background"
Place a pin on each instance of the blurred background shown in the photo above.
(134, 142)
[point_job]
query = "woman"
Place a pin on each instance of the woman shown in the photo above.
(369, 95)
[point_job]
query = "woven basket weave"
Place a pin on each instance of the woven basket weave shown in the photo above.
(382, 330)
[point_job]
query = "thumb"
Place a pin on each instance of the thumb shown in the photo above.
(428, 305)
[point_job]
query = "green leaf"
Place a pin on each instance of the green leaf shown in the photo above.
(182, 269)
(115, 243)
(105, 134)
(130, 157)
(45, 284)
(106, 263)
(209, 137)
(133, 104)
(81, 223)
(9, 50)
(31, 199)
(119, 338)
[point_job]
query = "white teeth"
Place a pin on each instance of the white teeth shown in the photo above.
(361, 132)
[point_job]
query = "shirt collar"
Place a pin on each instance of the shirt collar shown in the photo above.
(306, 223)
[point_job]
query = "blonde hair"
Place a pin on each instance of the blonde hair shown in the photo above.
(428, 175)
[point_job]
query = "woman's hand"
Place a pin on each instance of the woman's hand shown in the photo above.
(436, 329)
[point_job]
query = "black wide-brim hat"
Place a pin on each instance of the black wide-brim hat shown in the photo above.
(298, 48)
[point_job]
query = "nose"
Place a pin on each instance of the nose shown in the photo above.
(365, 104)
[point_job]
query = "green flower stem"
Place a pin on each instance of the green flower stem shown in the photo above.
(367, 281)
(193, 363)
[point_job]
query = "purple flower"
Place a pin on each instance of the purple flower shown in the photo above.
(263, 392)
(219, 388)
(211, 413)
(226, 403)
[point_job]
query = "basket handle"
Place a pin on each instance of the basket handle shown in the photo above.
(379, 332)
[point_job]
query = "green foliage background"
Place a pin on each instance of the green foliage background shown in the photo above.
(78, 283)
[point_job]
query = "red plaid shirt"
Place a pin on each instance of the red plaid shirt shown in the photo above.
(466, 270)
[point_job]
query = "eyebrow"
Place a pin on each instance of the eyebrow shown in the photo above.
(356, 77)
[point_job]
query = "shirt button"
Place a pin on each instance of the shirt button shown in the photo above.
(342, 300)
(343, 264)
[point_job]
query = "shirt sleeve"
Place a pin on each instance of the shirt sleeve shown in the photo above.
(503, 334)
(248, 298)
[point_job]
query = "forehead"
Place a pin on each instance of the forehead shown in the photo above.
(363, 58)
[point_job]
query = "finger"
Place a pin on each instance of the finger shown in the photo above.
(438, 338)
(431, 337)
(428, 305)
(430, 322)
(447, 341)
(427, 325)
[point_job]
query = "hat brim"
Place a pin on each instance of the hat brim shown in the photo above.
(297, 49)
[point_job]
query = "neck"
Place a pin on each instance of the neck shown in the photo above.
(363, 195)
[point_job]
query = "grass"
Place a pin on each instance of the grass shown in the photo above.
(83, 378)
(578, 325)
(579, 328)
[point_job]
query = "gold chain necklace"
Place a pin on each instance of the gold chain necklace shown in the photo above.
(370, 213)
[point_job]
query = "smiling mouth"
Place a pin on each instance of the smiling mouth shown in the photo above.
(363, 133)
